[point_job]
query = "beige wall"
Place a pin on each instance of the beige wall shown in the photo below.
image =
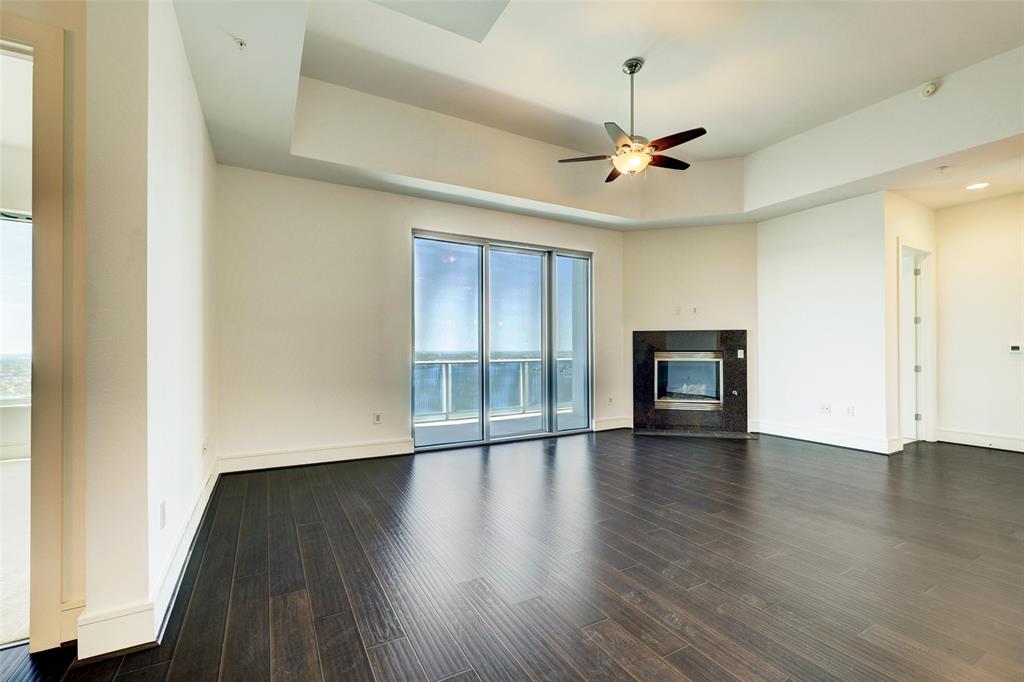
(313, 314)
(981, 313)
(669, 273)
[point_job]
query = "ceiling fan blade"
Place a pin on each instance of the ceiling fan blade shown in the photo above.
(668, 162)
(614, 174)
(669, 141)
(603, 157)
(618, 135)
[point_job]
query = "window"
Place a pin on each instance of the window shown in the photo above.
(502, 341)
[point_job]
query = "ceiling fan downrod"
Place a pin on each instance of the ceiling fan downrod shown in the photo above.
(631, 67)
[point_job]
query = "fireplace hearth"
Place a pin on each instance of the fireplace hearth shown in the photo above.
(690, 383)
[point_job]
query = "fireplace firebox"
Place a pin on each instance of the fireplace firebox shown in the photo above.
(690, 383)
(688, 380)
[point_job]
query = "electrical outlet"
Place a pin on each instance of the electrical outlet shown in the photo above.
(679, 310)
(826, 409)
(378, 418)
(850, 411)
(163, 514)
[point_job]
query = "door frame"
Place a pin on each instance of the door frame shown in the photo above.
(923, 339)
(45, 44)
(548, 293)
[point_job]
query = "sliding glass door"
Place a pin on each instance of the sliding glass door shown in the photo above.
(516, 377)
(447, 368)
(502, 341)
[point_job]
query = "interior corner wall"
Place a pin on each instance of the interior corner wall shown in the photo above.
(313, 309)
(980, 315)
(821, 323)
(180, 202)
(692, 278)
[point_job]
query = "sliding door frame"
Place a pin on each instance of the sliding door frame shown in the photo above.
(549, 364)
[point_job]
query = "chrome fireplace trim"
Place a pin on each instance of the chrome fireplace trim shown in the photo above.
(688, 404)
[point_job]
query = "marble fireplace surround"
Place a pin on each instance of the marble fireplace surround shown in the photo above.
(728, 422)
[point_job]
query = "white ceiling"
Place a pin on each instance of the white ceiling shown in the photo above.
(15, 101)
(751, 73)
(939, 188)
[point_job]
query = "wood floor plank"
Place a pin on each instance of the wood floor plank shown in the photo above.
(284, 559)
(253, 541)
(247, 638)
(631, 654)
(535, 652)
(371, 607)
(323, 583)
(342, 656)
(293, 653)
(587, 658)
(395, 661)
(197, 655)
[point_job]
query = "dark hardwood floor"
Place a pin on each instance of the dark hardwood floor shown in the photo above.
(17, 665)
(607, 556)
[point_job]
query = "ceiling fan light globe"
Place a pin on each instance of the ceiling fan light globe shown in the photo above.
(631, 162)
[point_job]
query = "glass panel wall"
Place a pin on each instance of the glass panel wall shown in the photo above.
(502, 341)
(572, 343)
(447, 368)
(516, 323)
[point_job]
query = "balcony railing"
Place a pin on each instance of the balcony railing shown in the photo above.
(445, 390)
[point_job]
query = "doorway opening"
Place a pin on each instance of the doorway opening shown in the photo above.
(15, 343)
(502, 341)
(915, 325)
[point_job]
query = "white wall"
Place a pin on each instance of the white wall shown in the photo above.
(180, 184)
(313, 314)
(980, 313)
(118, 610)
(668, 273)
(822, 324)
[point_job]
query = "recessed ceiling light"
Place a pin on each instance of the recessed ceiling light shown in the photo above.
(977, 185)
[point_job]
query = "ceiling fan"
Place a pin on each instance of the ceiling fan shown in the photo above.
(632, 152)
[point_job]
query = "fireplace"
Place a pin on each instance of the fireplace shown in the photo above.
(688, 380)
(690, 383)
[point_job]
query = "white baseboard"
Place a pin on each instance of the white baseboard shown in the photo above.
(115, 629)
(165, 592)
(981, 440)
(856, 441)
(332, 453)
(613, 423)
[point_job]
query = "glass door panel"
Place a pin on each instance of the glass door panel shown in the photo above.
(572, 343)
(517, 401)
(447, 366)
